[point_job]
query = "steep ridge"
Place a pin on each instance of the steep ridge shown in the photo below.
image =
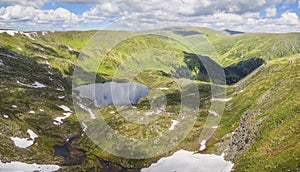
(264, 119)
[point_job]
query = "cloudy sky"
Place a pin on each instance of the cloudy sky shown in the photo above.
(243, 15)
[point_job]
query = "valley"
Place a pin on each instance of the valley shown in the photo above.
(231, 94)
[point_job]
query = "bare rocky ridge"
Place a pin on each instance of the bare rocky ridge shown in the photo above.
(243, 136)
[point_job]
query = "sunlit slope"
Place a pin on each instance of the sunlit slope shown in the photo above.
(267, 46)
(265, 118)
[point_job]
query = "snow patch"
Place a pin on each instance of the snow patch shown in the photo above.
(84, 127)
(65, 108)
(28, 35)
(14, 106)
(92, 115)
(34, 85)
(5, 116)
(163, 88)
(59, 120)
(174, 123)
(31, 112)
(60, 89)
(214, 113)
(10, 32)
(158, 111)
(44, 33)
(38, 85)
(24, 142)
(149, 113)
(185, 161)
(61, 97)
(202, 145)
(221, 99)
(15, 166)
(32, 134)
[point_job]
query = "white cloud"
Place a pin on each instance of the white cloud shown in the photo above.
(271, 12)
(139, 15)
(182, 7)
(30, 3)
(249, 22)
(31, 18)
(289, 18)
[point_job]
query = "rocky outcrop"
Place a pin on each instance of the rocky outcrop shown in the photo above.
(243, 136)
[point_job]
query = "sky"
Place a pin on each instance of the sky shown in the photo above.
(241, 15)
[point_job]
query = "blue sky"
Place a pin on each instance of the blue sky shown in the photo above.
(243, 15)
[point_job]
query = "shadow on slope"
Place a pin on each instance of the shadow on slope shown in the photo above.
(233, 73)
(238, 71)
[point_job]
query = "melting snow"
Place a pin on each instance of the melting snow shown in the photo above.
(60, 89)
(221, 99)
(28, 35)
(158, 111)
(149, 113)
(163, 88)
(84, 127)
(38, 85)
(24, 142)
(44, 33)
(10, 32)
(31, 112)
(213, 113)
(24, 167)
(32, 134)
(202, 145)
(174, 123)
(59, 120)
(215, 126)
(92, 115)
(65, 108)
(34, 85)
(61, 97)
(185, 161)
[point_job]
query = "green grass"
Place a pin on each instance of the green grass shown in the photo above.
(276, 147)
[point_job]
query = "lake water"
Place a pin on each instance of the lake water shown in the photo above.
(113, 93)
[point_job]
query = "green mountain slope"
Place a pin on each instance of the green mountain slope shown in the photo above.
(262, 71)
(267, 136)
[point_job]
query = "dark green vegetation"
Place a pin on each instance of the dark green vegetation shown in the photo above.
(262, 71)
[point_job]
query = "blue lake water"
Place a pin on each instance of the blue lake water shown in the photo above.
(113, 93)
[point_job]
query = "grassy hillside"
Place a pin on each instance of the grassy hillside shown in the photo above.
(267, 137)
(263, 112)
(236, 48)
